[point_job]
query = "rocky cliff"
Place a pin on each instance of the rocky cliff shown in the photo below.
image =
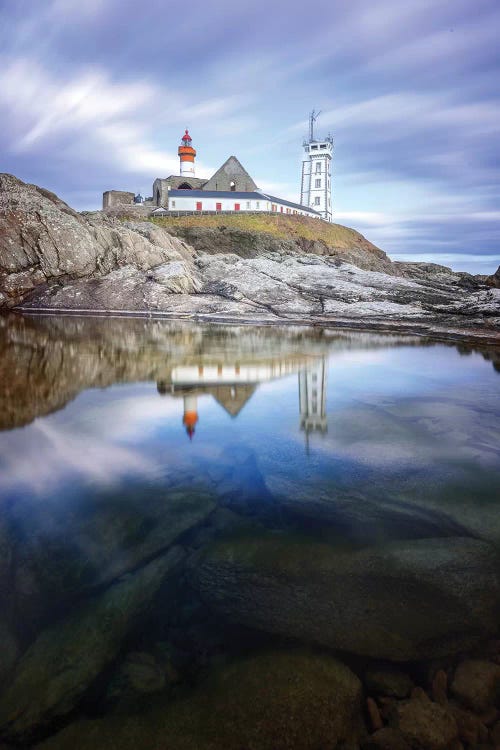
(289, 270)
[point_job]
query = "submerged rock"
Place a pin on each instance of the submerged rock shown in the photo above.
(477, 684)
(140, 674)
(398, 601)
(386, 738)
(65, 659)
(425, 725)
(9, 651)
(101, 541)
(274, 700)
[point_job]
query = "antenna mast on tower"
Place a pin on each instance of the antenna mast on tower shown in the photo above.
(312, 119)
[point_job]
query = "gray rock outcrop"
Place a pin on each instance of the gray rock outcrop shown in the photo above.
(399, 601)
(42, 239)
(54, 258)
(494, 279)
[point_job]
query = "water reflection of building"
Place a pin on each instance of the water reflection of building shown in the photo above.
(232, 385)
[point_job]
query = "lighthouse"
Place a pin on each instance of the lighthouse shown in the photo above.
(186, 155)
(316, 182)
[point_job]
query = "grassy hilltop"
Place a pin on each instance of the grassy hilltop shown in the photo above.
(281, 226)
(251, 235)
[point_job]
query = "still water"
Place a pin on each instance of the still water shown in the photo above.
(178, 502)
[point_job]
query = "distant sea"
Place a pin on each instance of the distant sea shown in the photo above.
(485, 264)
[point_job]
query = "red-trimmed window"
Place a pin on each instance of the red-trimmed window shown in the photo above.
(236, 206)
(199, 205)
(274, 207)
(218, 206)
(281, 209)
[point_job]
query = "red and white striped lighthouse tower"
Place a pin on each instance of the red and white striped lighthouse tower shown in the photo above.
(186, 155)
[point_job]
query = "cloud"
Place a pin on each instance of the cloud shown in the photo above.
(94, 95)
(103, 119)
(103, 442)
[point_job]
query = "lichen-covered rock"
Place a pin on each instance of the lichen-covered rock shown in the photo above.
(58, 668)
(275, 700)
(477, 684)
(398, 601)
(43, 239)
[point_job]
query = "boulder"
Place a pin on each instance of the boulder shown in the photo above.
(275, 700)
(399, 601)
(425, 725)
(477, 684)
(63, 662)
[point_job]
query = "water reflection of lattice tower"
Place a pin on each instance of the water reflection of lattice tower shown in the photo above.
(312, 397)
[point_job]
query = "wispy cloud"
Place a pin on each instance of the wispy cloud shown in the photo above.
(95, 95)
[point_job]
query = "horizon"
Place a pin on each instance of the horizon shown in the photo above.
(95, 97)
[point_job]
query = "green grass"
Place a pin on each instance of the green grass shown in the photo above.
(286, 227)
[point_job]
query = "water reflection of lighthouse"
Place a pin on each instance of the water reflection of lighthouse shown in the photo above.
(190, 413)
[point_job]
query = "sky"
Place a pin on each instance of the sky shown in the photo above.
(95, 95)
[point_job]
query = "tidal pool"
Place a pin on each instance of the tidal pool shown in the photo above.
(202, 521)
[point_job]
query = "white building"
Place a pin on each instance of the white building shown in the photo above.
(316, 181)
(219, 201)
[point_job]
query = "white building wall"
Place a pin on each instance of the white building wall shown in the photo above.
(192, 203)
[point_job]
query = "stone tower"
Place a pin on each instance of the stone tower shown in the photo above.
(316, 182)
(186, 155)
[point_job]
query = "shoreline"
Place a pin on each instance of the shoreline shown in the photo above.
(417, 328)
